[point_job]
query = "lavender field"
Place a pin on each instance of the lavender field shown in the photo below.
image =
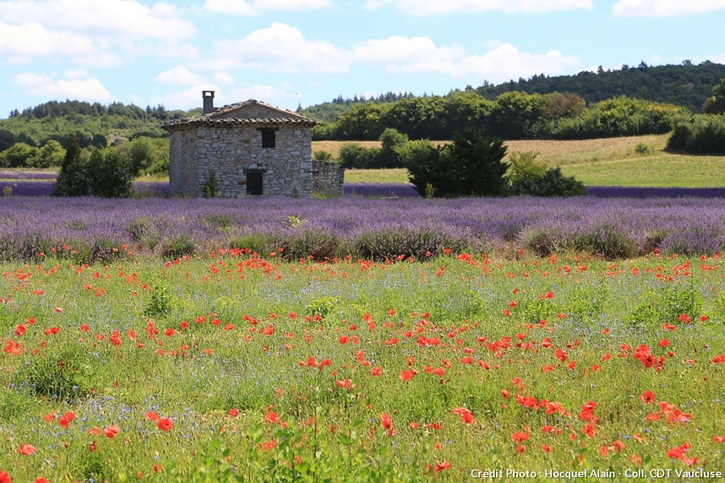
(99, 230)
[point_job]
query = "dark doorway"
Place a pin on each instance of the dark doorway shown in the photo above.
(254, 183)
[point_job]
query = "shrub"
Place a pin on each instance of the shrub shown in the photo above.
(322, 155)
(178, 247)
(471, 166)
(702, 134)
(524, 172)
(391, 140)
(642, 149)
(354, 156)
(108, 175)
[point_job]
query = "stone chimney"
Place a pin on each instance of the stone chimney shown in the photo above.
(208, 97)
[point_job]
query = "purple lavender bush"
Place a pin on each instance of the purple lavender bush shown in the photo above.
(89, 229)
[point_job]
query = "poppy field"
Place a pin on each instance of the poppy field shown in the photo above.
(239, 366)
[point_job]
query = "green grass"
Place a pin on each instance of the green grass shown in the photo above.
(195, 340)
(600, 162)
(658, 170)
(398, 175)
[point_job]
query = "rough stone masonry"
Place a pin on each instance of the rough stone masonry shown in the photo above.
(247, 149)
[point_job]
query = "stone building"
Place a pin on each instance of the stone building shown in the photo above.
(248, 148)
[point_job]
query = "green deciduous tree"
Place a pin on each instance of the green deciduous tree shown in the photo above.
(51, 154)
(716, 103)
(19, 155)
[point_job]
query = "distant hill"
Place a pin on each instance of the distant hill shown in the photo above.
(684, 85)
(93, 124)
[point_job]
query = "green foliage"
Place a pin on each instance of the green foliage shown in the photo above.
(108, 175)
(515, 114)
(146, 155)
(620, 116)
(355, 156)
(683, 85)
(716, 103)
(61, 374)
(19, 155)
(178, 246)
(424, 162)
(73, 178)
(51, 154)
(524, 169)
(391, 140)
(561, 106)
(103, 174)
(322, 155)
(161, 303)
(665, 304)
(528, 180)
(702, 134)
(475, 167)
(642, 149)
(471, 166)
(211, 190)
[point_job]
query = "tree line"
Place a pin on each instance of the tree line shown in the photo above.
(512, 115)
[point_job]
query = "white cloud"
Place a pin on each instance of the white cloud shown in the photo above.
(82, 89)
(420, 54)
(179, 75)
(405, 49)
(76, 74)
(188, 98)
(437, 7)
(105, 19)
(507, 62)
(33, 39)
(255, 7)
(224, 78)
(664, 8)
(279, 48)
(259, 92)
(282, 48)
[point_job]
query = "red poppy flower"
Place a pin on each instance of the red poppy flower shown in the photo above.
(26, 449)
(234, 412)
(112, 431)
(408, 374)
(5, 478)
(66, 419)
(546, 448)
(519, 437)
(269, 445)
(647, 397)
(165, 424)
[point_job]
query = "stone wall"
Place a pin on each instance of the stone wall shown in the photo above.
(327, 178)
(182, 164)
(231, 151)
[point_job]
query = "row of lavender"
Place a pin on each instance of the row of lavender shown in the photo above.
(40, 186)
(90, 229)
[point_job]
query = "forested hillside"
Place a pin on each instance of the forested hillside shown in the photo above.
(93, 124)
(684, 85)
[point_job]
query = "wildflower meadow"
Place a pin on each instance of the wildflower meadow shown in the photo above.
(224, 363)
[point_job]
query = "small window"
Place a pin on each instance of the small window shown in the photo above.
(254, 182)
(268, 139)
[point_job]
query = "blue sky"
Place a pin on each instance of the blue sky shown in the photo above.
(291, 52)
